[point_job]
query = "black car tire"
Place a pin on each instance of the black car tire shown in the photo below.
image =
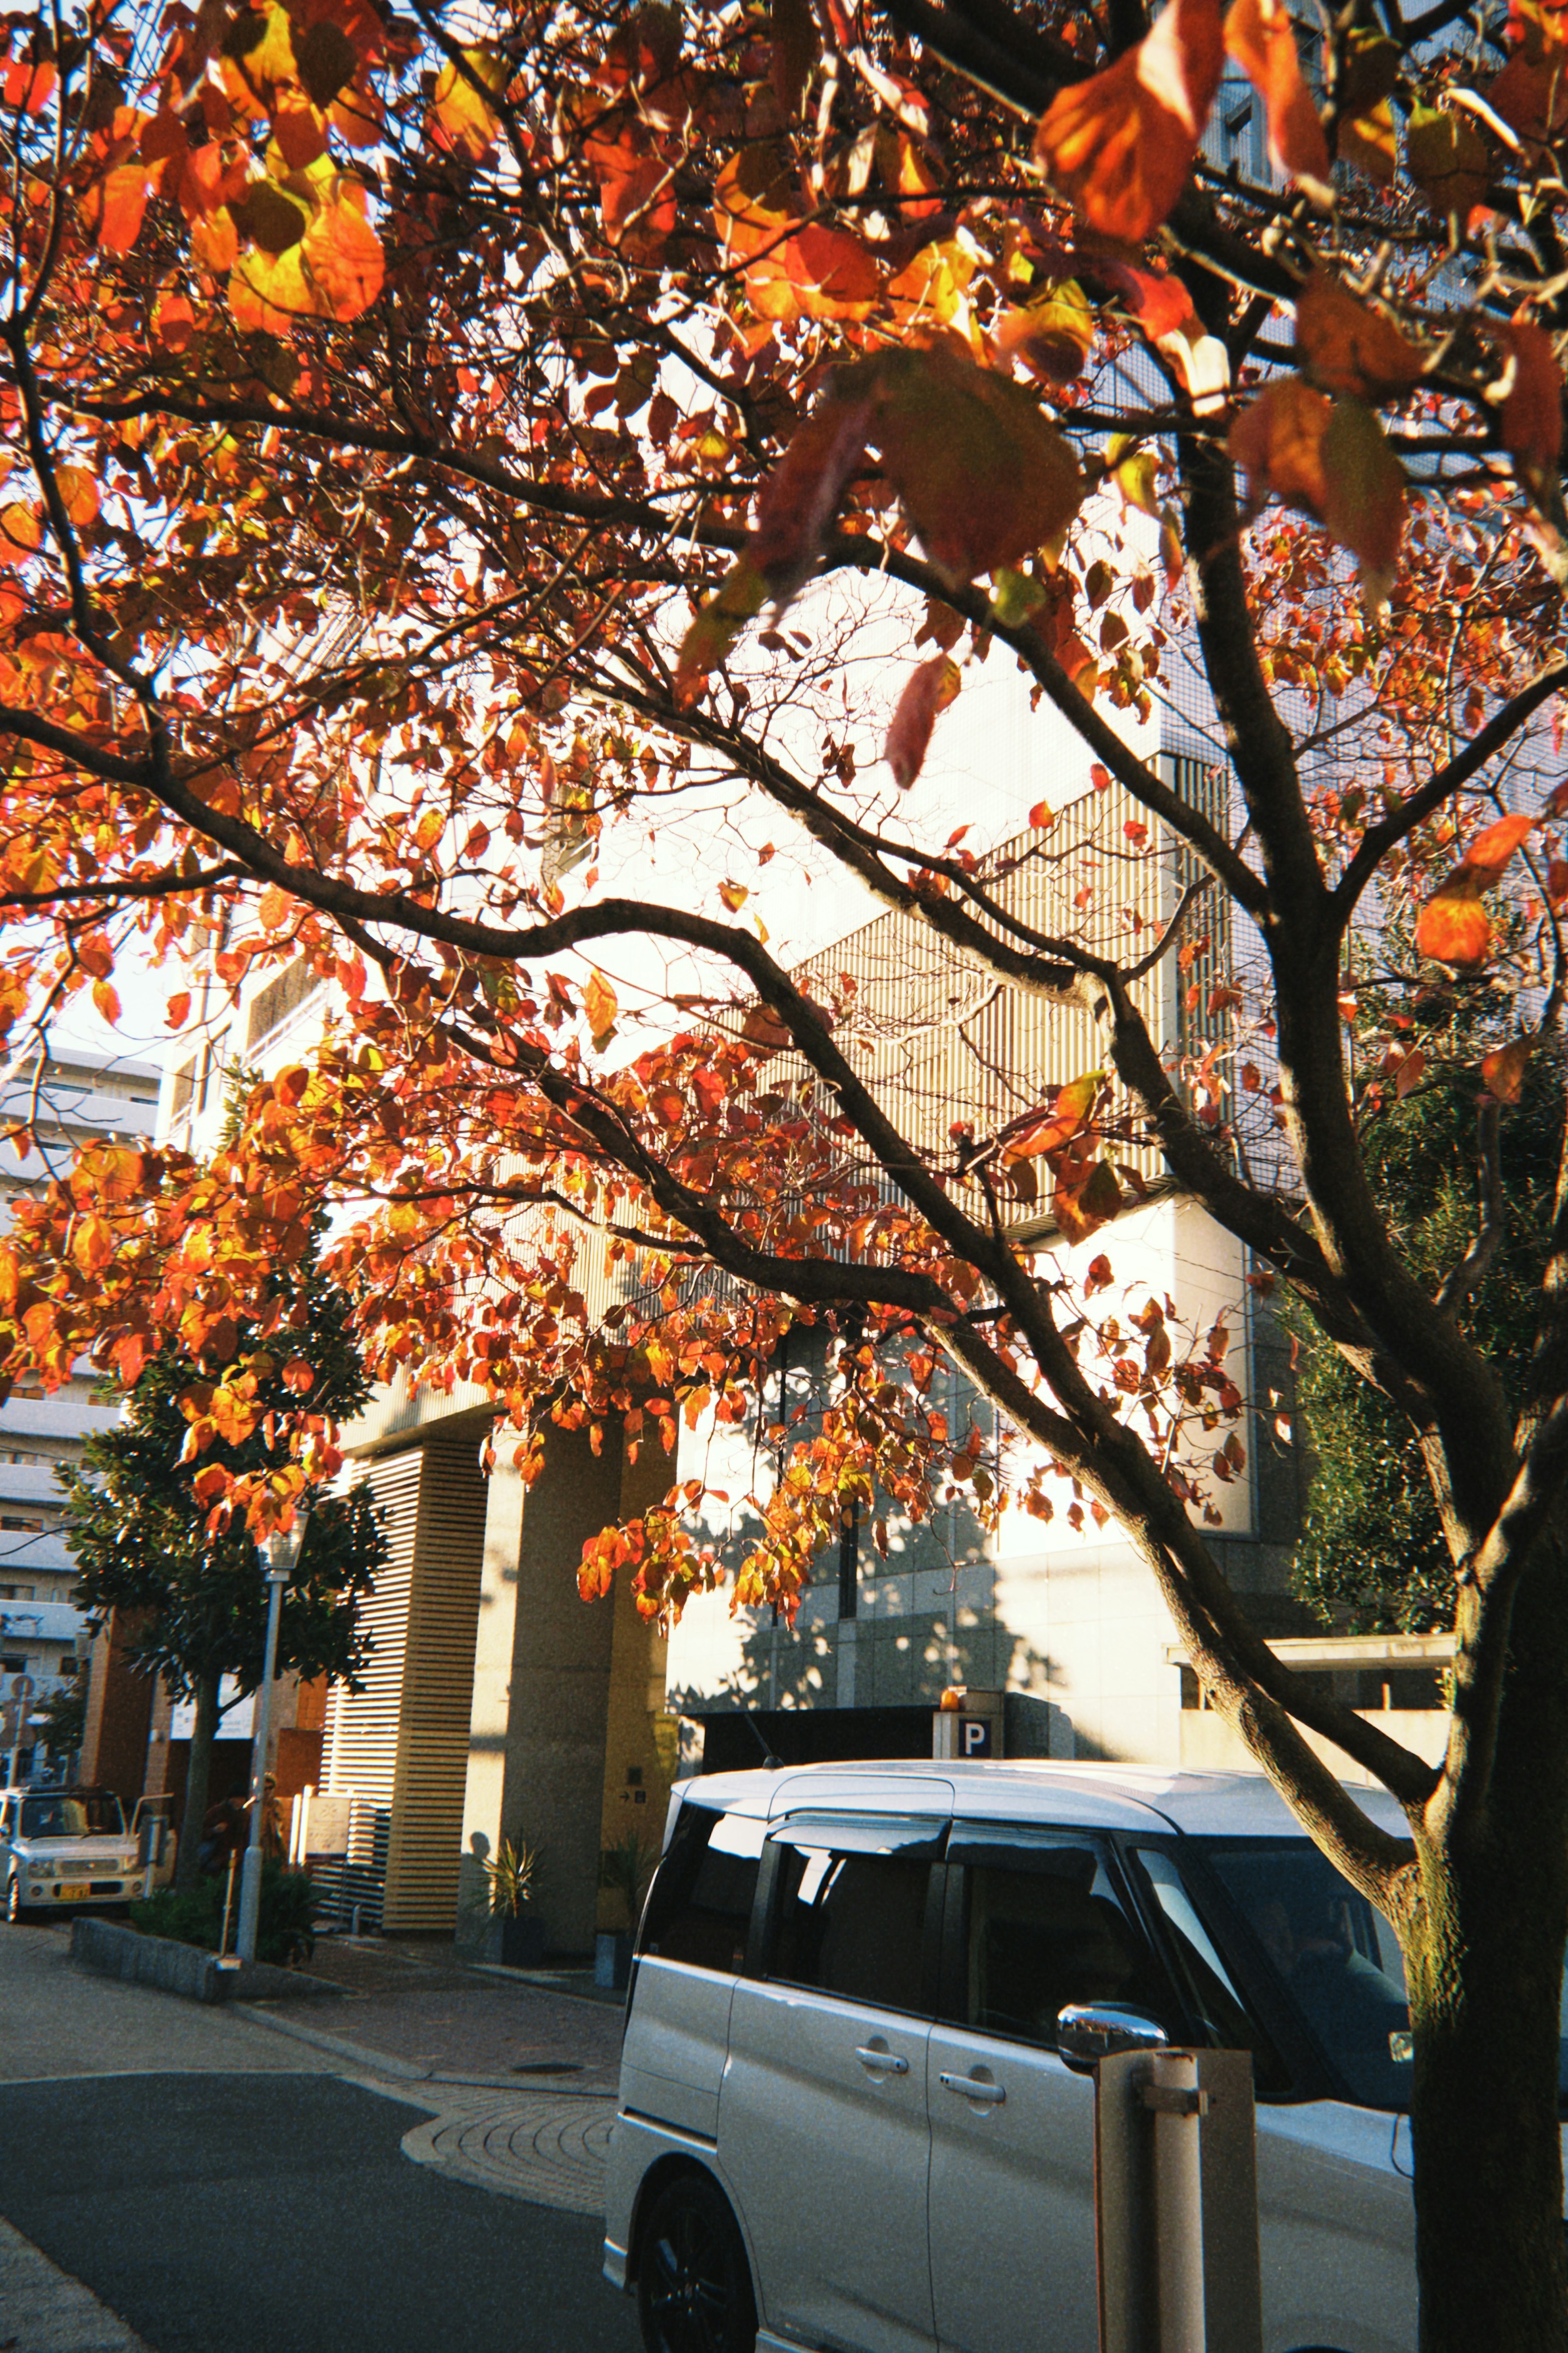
(694, 2282)
(13, 1901)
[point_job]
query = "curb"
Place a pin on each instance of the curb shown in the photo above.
(404, 2070)
(112, 1951)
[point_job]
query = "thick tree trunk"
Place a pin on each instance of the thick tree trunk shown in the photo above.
(204, 1731)
(1484, 1959)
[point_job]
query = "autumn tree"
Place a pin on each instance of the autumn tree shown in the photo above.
(137, 1523)
(445, 446)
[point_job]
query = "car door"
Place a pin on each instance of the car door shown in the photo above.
(1036, 1919)
(823, 2133)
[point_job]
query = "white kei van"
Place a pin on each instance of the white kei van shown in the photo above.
(845, 2121)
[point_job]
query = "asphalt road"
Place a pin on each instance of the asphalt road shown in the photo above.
(275, 2213)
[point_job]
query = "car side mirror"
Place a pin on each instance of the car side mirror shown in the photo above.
(1088, 2032)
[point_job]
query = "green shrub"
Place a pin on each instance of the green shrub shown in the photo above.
(284, 1931)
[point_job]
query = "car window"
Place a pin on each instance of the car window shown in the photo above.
(1045, 1927)
(850, 1910)
(93, 1814)
(700, 1907)
(1335, 1958)
(1209, 1985)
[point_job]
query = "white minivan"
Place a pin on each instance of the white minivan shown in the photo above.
(845, 2121)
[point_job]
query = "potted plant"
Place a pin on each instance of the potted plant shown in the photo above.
(515, 1940)
(626, 1870)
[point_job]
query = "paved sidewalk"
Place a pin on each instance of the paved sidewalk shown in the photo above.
(43, 2310)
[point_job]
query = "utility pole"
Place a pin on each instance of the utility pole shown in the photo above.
(283, 1552)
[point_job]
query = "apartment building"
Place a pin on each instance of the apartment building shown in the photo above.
(67, 1098)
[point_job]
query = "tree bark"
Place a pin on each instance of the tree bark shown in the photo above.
(204, 1731)
(1484, 1949)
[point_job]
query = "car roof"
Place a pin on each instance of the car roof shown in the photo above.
(1153, 1798)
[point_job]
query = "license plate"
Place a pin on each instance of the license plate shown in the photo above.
(77, 1892)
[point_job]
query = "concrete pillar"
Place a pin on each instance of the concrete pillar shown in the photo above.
(541, 1697)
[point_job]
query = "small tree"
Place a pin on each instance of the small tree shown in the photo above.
(141, 1524)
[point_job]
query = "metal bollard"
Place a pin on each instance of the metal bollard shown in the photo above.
(1177, 2203)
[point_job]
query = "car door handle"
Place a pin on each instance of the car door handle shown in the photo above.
(881, 2063)
(971, 2087)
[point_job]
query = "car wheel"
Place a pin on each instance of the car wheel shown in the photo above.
(694, 2283)
(14, 1900)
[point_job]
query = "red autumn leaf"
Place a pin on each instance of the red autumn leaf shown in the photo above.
(1345, 346)
(1503, 1072)
(1042, 817)
(179, 1009)
(1119, 145)
(927, 692)
(709, 1089)
(78, 492)
(30, 87)
(1260, 36)
(833, 274)
(800, 497)
(1409, 1073)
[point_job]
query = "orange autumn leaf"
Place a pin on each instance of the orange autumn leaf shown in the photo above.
(1066, 1119)
(927, 692)
(343, 260)
(20, 532)
(1502, 1072)
(92, 1244)
(1277, 441)
(78, 493)
(1453, 927)
(1333, 458)
(1345, 346)
(1489, 853)
(1260, 36)
(833, 275)
(1119, 145)
(114, 210)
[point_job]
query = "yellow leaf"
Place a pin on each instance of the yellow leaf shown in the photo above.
(460, 117)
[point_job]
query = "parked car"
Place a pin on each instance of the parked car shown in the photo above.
(844, 2122)
(61, 1849)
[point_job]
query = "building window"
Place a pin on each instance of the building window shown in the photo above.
(273, 1005)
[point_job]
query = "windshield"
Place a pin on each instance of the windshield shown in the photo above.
(95, 1814)
(1336, 1957)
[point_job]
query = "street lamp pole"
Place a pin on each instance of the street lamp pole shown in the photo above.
(283, 1551)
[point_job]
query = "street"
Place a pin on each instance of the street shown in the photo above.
(218, 2184)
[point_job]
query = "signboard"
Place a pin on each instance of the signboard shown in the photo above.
(327, 1825)
(235, 1723)
(973, 1736)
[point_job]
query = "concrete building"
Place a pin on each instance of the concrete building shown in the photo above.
(68, 1099)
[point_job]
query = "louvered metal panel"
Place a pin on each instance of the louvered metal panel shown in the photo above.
(402, 1743)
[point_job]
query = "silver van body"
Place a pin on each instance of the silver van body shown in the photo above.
(841, 2020)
